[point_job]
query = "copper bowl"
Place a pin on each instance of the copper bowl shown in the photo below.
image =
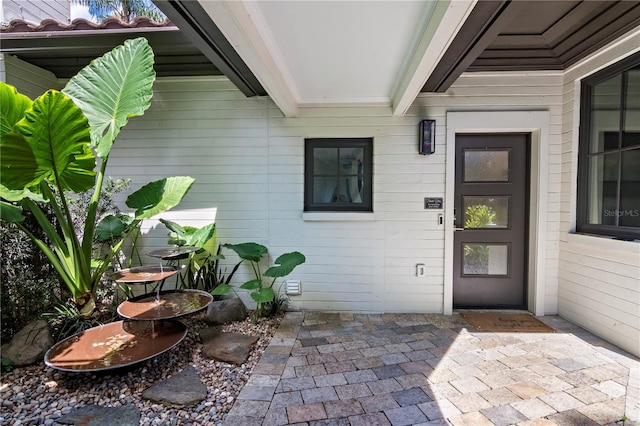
(167, 304)
(115, 345)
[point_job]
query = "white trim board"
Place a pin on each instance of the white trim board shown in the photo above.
(536, 123)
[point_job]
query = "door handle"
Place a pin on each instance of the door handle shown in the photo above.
(458, 229)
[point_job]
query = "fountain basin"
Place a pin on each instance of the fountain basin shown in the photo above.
(165, 304)
(174, 253)
(145, 274)
(115, 345)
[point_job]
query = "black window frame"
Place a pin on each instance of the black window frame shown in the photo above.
(367, 174)
(586, 103)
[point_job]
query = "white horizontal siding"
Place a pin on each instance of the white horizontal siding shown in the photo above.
(30, 80)
(248, 161)
(599, 279)
(35, 10)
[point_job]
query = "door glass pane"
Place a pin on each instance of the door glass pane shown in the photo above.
(629, 214)
(486, 212)
(485, 259)
(486, 166)
(603, 189)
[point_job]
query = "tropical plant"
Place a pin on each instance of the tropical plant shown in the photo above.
(202, 270)
(124, 10)
(47, 149)
(262, 293)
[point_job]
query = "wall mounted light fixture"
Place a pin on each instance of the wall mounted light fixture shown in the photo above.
(427, 137)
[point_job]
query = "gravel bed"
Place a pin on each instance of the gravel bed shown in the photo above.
(38, 395)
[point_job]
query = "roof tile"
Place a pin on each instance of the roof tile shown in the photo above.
(80, 24)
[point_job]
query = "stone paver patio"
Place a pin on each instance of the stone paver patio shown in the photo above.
(428, 369)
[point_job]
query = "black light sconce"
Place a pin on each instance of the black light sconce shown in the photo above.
(427, 137)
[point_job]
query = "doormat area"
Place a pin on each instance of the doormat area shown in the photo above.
(499, 322)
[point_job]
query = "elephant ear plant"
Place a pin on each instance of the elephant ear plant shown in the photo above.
(47, 149)
(201, 272)
(262, 293)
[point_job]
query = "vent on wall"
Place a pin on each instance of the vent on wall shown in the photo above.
(293, 287)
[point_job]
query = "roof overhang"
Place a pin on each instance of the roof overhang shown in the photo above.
(64, 53)
(205, 35)
(65, 49)
(541, 35)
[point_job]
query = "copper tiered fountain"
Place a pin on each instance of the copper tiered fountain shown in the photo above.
(150, 326)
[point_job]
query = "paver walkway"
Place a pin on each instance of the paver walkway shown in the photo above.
(415, 369)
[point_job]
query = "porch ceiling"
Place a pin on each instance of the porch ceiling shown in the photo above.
(308, 53)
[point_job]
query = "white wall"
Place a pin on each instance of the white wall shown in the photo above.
(35, 10)
(599, 278)
(28, 79)
(248, 161)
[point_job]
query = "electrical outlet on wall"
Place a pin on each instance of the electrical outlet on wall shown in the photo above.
(421, 271)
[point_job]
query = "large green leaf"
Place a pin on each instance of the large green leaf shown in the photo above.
(159, 196)
(175, 228)
(285, 264)
(248, 251)
(13, 106)
(251, 285)
(264, 295)
(201, 236)
(20, 194)
(109, 228)
(18, 166)
(10, 213)
(113, 88)
(221, 290)
(51, 142)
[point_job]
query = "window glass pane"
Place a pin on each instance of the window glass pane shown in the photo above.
(603, 189)
(351, 160)
(485, 259)
(325, 161)
(349, 191)
(485, 212)
(486, 166)
(325, 189)
(605, 115)
(631, 134)
(629, 214)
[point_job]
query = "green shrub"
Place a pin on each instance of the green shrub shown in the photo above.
(29, 285)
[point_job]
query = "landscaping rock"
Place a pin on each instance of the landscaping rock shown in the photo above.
(228, 347)
(225, 311)
(206, 334)
(95, 415)
(30, 344)
(184, 388)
